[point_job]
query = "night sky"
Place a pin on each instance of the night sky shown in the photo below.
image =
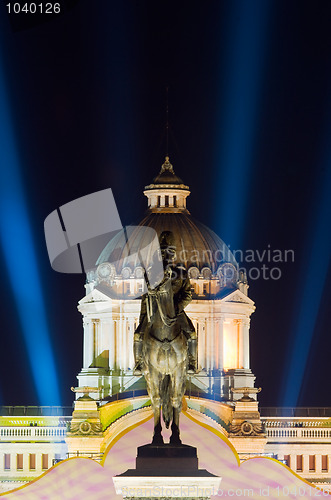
(250, 133)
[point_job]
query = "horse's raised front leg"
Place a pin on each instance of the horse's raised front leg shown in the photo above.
(157, 437)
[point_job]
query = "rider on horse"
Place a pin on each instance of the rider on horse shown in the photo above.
(182, 296)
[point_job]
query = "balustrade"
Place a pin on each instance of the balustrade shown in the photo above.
(297, 430)
(35, 433)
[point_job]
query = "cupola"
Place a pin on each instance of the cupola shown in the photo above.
(167, 193)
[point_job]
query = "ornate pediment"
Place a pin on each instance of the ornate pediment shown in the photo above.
(96, 301)
(238, 297)
(94, 296)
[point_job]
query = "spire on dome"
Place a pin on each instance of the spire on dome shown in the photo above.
(167, 166)
(167, 193)
(167, 176)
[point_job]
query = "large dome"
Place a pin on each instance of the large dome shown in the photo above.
(198, 248)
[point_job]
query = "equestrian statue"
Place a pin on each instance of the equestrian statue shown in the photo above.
(165, 341)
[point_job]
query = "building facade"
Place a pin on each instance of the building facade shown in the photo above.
(222, 393)
(220, 309)
(32, 439)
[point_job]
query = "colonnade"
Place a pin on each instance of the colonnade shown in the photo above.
(223, 340)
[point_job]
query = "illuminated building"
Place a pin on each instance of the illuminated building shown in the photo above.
(32, 439)
(222, 394)
(220, 309)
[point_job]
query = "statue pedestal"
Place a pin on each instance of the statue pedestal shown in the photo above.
(166, 471)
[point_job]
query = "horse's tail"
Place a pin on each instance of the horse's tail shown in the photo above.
(166, 400)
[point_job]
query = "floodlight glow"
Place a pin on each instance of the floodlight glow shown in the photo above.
(318, 253)
(241, 75)
(18, 249)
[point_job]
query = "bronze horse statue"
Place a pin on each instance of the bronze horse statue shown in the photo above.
(165, 344)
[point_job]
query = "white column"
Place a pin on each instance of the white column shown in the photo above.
(125, 343)
(116, 357)
(118, 339)
(201, 347)
(130, 343)
(207, 344)
(99, 336)
(105, 337)
(195, 324)
(111, 344)
(220, 343)
(91, 341)
(214, 342)
(180, 201)
(119, 332)
(216, 357)
(241, 343)
(95, 328)
(211, 335)
(121, 340)
(246, 323)
(202, 331)
(88, 343)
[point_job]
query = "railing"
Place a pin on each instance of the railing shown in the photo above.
(21, 433)
(282, 433)
(299, 433)
(316, 433)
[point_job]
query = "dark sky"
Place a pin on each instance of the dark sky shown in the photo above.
(86, 92)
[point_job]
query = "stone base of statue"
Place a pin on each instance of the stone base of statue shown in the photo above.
(167, 471)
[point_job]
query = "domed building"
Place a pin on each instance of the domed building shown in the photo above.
(114, 415)
(220, 309)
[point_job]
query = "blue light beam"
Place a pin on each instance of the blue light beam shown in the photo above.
(18, 249)
(242, 77)
(318, 252)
